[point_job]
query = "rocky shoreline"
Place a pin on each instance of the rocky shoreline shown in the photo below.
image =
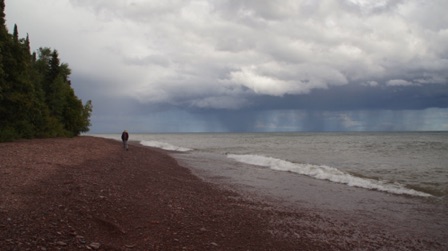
(87, 193)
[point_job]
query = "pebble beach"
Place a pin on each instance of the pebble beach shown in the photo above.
(88, 193)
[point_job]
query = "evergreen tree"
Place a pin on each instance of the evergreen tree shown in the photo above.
(19, 92)
(2, 13)
(36, 98)
(16, 34)
(3, 38)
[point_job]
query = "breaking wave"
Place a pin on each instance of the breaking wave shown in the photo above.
(323, 172)
(164, 146)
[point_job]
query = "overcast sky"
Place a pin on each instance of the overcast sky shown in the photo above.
(249, 65)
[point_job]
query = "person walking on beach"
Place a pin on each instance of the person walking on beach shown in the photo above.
(124, 138)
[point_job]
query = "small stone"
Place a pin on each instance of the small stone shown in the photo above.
(61, 243)
(81, 239)
(214, 244)
(95, 245)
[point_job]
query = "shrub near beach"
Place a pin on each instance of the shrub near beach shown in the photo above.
(36, 97)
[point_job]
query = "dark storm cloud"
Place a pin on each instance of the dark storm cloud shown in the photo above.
(215, 62)
(359, 97)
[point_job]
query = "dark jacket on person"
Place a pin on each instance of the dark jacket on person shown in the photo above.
(124, 136)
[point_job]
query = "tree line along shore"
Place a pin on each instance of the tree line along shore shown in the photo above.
(36, 96)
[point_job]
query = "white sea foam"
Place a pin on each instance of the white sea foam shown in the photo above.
(323, 172)
(164, 146)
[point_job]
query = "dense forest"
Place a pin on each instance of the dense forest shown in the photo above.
(36, 97)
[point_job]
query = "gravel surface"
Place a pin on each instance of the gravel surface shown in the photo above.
(87, 193)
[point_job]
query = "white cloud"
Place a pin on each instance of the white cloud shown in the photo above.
(258, 83)
(211, 53)
(399, 82)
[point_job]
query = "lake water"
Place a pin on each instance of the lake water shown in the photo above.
(401, 163)
(388, 186)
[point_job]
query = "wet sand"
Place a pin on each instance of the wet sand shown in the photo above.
(88, 193)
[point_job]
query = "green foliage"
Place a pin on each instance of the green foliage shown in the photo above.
(36, 99)
(8, 133)
(2, 12)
